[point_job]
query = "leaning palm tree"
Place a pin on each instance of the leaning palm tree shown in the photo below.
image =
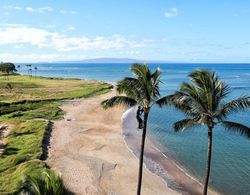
(203, 103)
(143, 90)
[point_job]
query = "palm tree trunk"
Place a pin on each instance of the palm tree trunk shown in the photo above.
(209, 156)
(142, 153)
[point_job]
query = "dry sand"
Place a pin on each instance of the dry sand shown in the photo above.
(88, 148)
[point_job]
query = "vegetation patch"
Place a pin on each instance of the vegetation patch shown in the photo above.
(18, 88)
(27, 111)
(22, 153)
(28, 105)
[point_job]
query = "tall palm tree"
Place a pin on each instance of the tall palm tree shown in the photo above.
(35, 69)
(142, 90)
(29, 67)
(203, 103)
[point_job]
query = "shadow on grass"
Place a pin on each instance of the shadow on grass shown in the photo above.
(46, 141)
(2, 146)
(10, 151)
(15, 134)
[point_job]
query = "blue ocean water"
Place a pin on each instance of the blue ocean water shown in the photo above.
(230, 172)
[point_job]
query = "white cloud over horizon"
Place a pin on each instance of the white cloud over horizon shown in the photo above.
(41, 10)
(130, 29)
(36, 57)
(17, 39)
(17, 34)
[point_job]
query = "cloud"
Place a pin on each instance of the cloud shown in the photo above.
(68, 12)
(70, 28)
(63, 12)
(173, 12)
(37, 57)
(50, 26)
(21, 34)
(12, 7)
(73, 12)
(17, 8)
(19, 46)
(39, 10)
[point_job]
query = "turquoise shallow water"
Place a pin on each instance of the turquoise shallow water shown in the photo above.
(230, 173)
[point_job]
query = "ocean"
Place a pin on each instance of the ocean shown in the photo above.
(230, 172)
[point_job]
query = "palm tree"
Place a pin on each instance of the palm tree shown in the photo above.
(35, 70)
(143, 90)
(30, 70)
(203, 103)
(29, 67)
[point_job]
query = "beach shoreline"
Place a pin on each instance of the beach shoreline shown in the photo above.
(82, 141)
(159, 163)
(226, 177)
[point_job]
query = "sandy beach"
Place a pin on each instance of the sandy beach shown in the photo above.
(88, 148)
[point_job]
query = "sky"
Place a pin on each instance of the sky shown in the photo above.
(169, 30)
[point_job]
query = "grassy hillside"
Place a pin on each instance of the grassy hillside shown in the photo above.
(27, 107)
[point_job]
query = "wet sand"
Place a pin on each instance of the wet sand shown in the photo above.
(157, 162)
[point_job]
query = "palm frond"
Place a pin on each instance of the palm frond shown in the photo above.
(182, 102)
(149, 83)
(220, 91)
(202, 78)
(236, 127)
(236, 105)
(209, 89)
(156, 74)
(140, 70)
(155, 79)
(143, 89)
(128, 83)
(164, 101)
(184, 124)
(132, 88)
(118, 100)
(193, 95)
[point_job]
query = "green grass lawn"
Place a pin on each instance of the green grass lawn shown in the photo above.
(21, 155)
(17, 88)
(27, 108)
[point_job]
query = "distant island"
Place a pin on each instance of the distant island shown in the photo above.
(111, 60)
